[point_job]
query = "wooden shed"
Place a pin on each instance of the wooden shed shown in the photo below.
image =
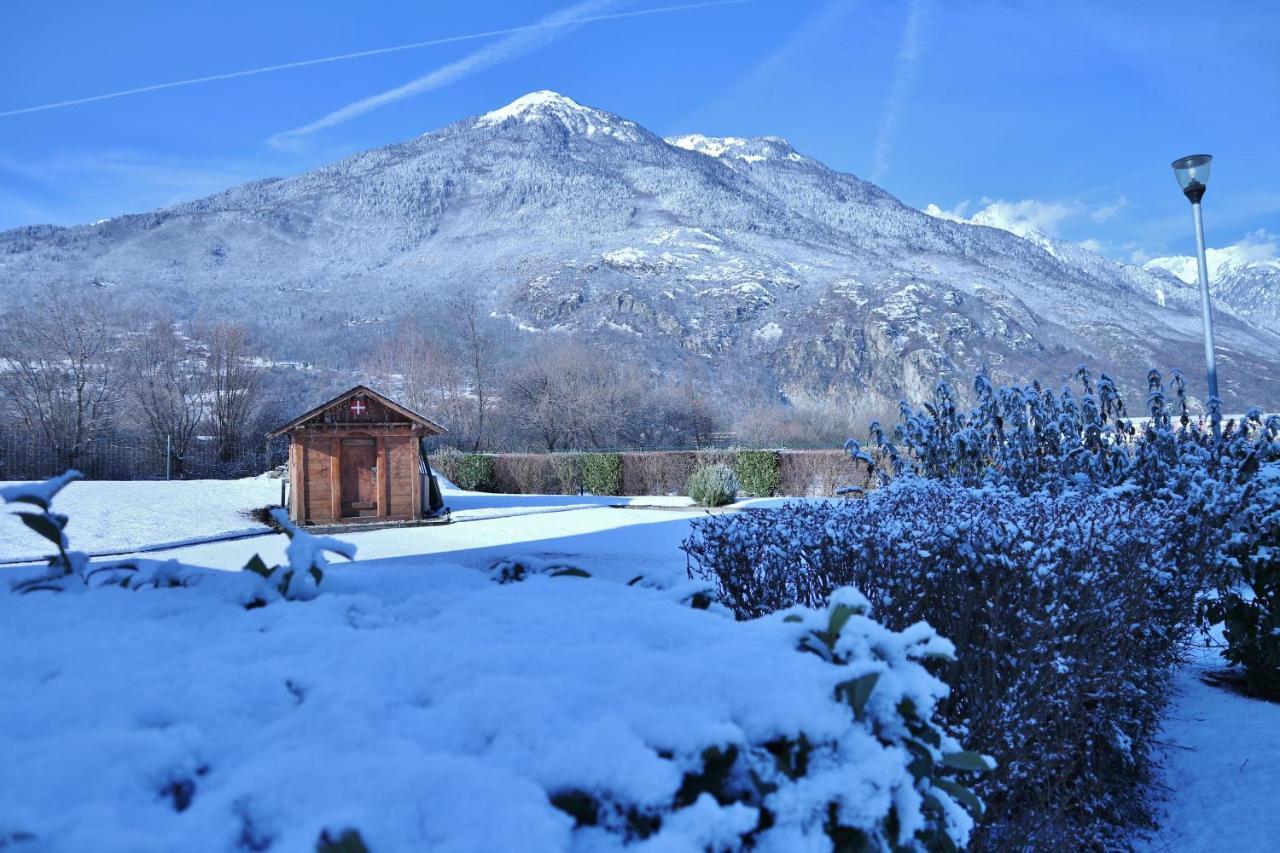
(359, 458)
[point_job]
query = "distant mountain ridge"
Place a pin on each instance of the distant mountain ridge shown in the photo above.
(1245, 277)
(737, 258)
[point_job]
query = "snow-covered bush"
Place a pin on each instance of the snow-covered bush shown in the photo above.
(759, 472)
(299, 579)
(1067, 611)
(1033, 439)
(1216, 485)
(887, 778)
(1250, 610)
(713, 485)
(563, 714)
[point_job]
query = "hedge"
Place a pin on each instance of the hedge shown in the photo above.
(651, 472)
(470, 471)
(601, 473)
(759, 472)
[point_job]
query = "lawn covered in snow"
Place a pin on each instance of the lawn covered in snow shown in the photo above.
(424, 704)
(111, 515)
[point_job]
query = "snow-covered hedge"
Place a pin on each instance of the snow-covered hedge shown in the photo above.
(1062, 545)
(1216, 485)
(1067, 612)
(1250, 610)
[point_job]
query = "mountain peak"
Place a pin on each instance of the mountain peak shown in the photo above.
(546, 105)
(534, 103)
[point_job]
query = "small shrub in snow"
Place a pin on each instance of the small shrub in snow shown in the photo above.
(1250, 611)
(299, 579)
(65, 565)
(516, 569)
(601, 473)
(759, 472)
(348, 841)
(714, 485)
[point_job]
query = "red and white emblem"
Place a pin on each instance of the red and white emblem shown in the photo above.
(358, 407)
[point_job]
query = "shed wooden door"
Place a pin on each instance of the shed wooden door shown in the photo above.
(359, 476)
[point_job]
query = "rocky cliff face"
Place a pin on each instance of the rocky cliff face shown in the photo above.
(740, 257)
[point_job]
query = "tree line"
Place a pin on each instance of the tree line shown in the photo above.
(74, 370)
(77, 369)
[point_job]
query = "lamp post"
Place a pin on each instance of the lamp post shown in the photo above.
(1193, 176)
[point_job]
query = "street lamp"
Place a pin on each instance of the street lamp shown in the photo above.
(1193, 176)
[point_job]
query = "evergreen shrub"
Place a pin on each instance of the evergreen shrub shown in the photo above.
(713, 485)
(473, 472)
(759, 472)
(601, 473)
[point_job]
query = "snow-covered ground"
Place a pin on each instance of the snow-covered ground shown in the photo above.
(1221, 760)
(426, 706)
(110, 515)
(414, 671)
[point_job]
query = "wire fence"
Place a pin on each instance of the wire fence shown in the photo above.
(124, 456)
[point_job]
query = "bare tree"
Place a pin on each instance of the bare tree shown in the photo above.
(567, 395)
(532, 398)
(57, 367)
(474, 340)
(163, 377)
(419, 369)
(233, 378)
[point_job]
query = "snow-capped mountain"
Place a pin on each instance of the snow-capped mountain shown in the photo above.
(1244, 277)
(739, 258)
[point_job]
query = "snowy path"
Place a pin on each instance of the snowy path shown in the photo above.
(1221, 766)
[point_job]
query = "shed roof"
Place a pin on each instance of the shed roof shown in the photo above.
(431, 426)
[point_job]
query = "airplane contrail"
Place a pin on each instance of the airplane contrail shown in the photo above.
(266, 69)
(904, 73)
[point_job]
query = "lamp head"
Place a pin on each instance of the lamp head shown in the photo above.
(1193, 175)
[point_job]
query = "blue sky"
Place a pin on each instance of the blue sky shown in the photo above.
(1067, 114)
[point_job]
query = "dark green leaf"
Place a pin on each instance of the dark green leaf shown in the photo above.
(570, 573)
(41, 524)
(840, 615)
(858, 691)
(967, 760)
(922, 759)
(961, 793)
(257, 566)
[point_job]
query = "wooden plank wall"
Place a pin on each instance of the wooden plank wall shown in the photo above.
(315, 468)
(402, 461)
(321, 460)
